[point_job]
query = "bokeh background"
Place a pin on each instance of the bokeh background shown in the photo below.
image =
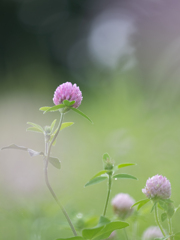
(125, 57)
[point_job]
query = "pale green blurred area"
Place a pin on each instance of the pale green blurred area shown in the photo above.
(130, 123)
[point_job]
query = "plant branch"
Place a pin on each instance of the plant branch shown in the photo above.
(47, 152)
(108, 194)
(157, 221)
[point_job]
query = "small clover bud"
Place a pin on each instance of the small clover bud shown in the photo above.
(151, 233)
(122, 203)
(157, 187)
(67, 91)
(79, 221)
(108, 162)
(47, 130)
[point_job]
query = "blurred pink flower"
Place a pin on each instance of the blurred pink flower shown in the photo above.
(67, 91)
(157, 186)
(151, 233)
(122, 203)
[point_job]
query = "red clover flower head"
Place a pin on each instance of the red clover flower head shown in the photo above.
(157, 187)
(67, 91)
(122, 203)
(151, 233)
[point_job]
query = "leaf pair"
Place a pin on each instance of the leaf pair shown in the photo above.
(66, 104)
(102, 231)
(103, 175)
(54, 161)
(140, 203)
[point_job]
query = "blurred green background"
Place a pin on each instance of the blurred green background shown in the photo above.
(124, 56)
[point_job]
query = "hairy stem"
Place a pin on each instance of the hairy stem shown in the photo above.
(47, 153)
(108, 194)
(157, 221)
(170, 227)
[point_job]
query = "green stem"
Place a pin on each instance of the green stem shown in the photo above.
(170, 228)
(47, 153)
(125, 233)
(134, 230)
(108, 194)
(157, 221)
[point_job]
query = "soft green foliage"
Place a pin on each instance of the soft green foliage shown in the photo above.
(141, 203)
(36, 127)
(96, 180)
(53, 125)
(99, 174)
(68, 103)
(52, 109)
(106, 157)
(122, 165)
(163, 217)
(103, 230)
(124, 175)
(65, 125)
(103, 174)
(81, 113)
(55, 162)
(31, 152)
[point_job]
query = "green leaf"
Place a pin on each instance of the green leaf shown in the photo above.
(103, 229)
(140, 203)
(44, 109)
(124, 175)
(109, 228)
(66, 124)
(54, 108)
(103, 220)
(31, 152)
(81, 113)
(163, 217)
(125, 165)
(106, 157)
(33, 129)
(99, 174)
(91, 232)
(176, 209)
(52, 125)
(96, 180)
(36, 126)
(153, 207)
(170, 211)
(163, 205)
(68, 103)
(55, 162)
(71, 238)
(103, 236)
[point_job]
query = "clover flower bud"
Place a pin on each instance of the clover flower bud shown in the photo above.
(151, 233)
(108, 162)
(67, 91)
(157, 187)
(47, 130)
(122, 203)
